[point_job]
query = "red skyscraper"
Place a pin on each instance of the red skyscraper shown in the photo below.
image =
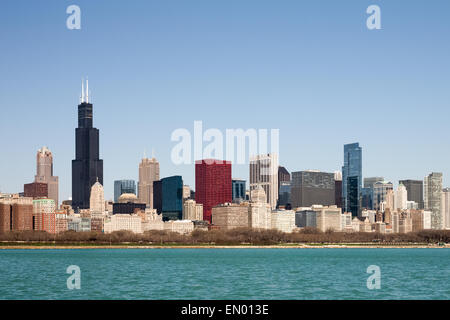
(212, 184)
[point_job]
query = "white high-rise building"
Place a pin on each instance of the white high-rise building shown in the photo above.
(445, 207)
(97, 199)
(264, 173)
(259, 212)
(401, 198)
(432, 187)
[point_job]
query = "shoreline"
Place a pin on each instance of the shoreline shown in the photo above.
(243, 246)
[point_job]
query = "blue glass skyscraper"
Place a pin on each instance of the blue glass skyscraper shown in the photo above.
(352, 178)
(238, 189)
(172, 198)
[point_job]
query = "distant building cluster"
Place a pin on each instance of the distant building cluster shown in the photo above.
(341, 201)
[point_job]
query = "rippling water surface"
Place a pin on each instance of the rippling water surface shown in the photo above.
(225, 273)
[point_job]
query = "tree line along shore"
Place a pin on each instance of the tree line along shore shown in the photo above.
(233, 237)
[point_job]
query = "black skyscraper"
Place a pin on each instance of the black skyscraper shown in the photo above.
(87, 166)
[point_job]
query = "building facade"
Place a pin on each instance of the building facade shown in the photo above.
(432, 187)
(305, 218)
(328, 218)
(414, 189)
(367, 195)
(312, 188)
(338, 189)
(35, 190)
(230, 215)
(44, 215)
(172, 198)
(352, 178)
(238, 190)
(16, 214)
(126, 222)
(44, 173)
(264, 172)
(97, 200)
(128, 204)
(283, 176)
(380, 194)
(283, 220)
(212, 184)
(284, 195)
(445, 207)
(192, 210)
(148, 173)
(123, 186)
(259, 211)
(400, 198)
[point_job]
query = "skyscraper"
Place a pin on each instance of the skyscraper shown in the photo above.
(97, 199)
(148, 172)
(338, 189)
(123, 186)
(432, 187)
(264, 172)
(400, 197)
(212, 184)
(369, 182)
(87, 166)
(238, 189)
(445, 207)
(415, 191)
(172, 198)
(44, 172)
(312, 187)
(367, 196)
(380, 192)
(352, 178)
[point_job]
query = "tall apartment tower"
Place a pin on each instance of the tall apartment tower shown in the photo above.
(44, 172)
(415, 191)
(352, 178)
(264, 173)
(432, 187)
(445, 207)
(212, 184)
(97, 199)
(87, 166)
(148, 173)
(401, 196)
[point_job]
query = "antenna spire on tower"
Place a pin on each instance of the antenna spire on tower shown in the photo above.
(87, 90)
(82, 90)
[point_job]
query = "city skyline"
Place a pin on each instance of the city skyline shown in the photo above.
(174, 75)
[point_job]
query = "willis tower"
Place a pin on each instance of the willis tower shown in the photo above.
(87, 166)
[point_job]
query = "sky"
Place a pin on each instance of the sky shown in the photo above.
(311, 69)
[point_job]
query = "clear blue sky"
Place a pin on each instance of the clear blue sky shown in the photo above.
(310, 68)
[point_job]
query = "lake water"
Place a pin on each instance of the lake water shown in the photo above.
(225, 273)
